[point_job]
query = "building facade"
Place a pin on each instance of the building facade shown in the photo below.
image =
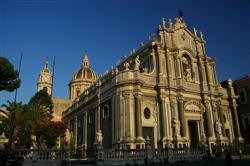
(242, 89)
(166, 90)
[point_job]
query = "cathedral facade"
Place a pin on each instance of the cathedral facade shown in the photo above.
(166, 90)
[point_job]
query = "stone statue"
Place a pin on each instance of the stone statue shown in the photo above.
(202, 36)
(218, 127)
(176, 126)
(188, 74)
(116, 71)
(99, 137)
(170, 24)
(137, 63)
(195, 32)
(163, 23)
(126, 65)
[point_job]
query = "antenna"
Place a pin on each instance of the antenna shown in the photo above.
(53, 72)
(19, 69)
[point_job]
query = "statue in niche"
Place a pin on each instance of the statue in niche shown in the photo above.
(176, 126)
(218, 127)
(186, 69)
(137, 63)
(188, 74)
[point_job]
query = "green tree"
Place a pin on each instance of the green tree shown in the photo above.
(17, 121)
(9, 80)
(43, 101)
(30, 116)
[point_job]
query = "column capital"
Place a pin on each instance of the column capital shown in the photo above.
(180, 98)
(173, 101)
(137, 94)
(126, 94)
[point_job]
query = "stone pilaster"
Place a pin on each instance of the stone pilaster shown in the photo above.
(178, 67)
(128, 119)
(169, 66)
(138, 120)
(202, 70)
(113, 113)
(207, 72)
(118, 132)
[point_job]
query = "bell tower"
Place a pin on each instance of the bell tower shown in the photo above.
(45, 79)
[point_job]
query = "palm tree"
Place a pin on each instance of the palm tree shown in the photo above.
(17, 121)
(11, 116)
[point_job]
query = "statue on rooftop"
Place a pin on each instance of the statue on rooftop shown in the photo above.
(137, 63)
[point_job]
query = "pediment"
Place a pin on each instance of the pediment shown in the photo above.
(184, 38)
(194, 106)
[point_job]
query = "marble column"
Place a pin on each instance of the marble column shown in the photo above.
(236, 122)
(138, 120)
(215, 73)
(75, 130)
(97, 114)
(182, 117)
(209, 120)
(164, 118)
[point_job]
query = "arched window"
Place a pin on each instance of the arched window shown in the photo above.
(186, 67)
(105, 112)
(147, 113)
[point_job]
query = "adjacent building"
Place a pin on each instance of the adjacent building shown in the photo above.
(242, 89)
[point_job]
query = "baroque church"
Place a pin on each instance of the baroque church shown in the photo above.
(166, 90)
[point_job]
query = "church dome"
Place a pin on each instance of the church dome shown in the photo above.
(82, 79)
(85, 72)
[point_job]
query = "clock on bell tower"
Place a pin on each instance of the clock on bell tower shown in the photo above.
(45, 79)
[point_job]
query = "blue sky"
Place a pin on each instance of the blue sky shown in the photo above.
(110, 29)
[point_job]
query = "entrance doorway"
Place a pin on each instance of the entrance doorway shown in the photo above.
(149, 132)
(193, 133)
